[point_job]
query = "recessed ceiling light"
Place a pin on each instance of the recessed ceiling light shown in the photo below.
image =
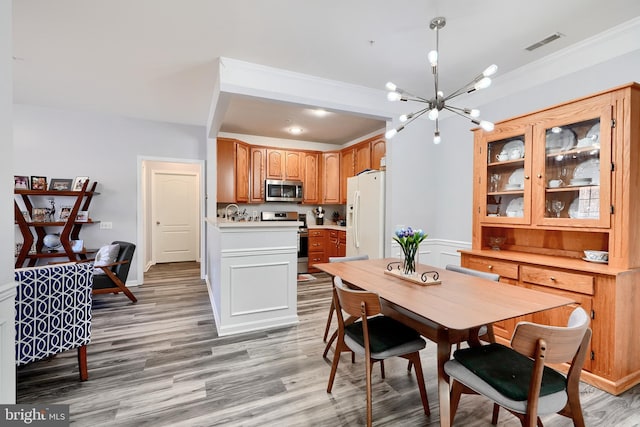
(319, 112)
(295, 130)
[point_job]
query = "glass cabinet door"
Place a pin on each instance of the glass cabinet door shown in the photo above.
(507, 180)
(576, 168)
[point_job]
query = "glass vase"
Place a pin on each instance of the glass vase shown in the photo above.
(410, 260)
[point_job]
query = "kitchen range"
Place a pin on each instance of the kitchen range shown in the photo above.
(303, 234)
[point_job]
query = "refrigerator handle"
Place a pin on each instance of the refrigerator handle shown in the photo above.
(356, 219)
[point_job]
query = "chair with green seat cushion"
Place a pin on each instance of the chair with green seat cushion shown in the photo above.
(375, 336)
(517, 379)
(363, 257)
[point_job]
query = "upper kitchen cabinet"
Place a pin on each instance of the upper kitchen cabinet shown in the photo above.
(258, 174)
(284, 164)
(378, 151)
(311, 178)
(330, 182)
(356, 158)
(233, 171)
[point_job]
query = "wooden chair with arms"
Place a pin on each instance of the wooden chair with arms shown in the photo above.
(375, 336)
(517, 379)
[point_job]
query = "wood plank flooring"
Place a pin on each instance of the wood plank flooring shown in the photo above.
(160, 362)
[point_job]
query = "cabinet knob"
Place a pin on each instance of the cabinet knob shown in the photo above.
(539, 175)
(490, 267)
(157, 222)
(526, 177)
(553, 279)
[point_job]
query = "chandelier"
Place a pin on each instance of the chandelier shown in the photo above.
(440, 102)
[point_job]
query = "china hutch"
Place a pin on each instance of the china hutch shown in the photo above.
(549, 185)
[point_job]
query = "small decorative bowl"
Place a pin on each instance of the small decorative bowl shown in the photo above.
(496, 242)
(597, 256)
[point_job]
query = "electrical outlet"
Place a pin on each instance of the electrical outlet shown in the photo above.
(106, 225)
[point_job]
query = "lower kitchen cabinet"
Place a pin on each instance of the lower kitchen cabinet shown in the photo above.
(608, 294)
(317, 248)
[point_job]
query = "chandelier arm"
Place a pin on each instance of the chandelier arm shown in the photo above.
(415, 116)
(453, 110)
(464, 89)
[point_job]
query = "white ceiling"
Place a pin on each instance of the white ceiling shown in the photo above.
(154, 59)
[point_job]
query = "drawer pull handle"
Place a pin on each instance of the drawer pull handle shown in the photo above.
(553, 279)
(490, 267)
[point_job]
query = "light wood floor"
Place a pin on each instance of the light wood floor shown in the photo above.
(160, 362)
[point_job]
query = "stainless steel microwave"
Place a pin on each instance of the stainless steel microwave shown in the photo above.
(283, 191)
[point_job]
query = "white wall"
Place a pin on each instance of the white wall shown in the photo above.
(64, 144)
(7, 285)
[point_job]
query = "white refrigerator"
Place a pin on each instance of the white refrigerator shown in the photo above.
(365, 214)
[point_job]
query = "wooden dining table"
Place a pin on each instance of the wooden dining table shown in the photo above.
(446, 313)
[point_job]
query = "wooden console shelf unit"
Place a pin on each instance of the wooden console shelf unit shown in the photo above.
(552, 184)
(69, 230)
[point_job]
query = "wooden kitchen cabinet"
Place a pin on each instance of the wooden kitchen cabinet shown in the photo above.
(233, 171)
(330, 177)
(336, 246)
(554, 183)
(378, 151)
(284, 164)
(311, 178)
(317, 246)
(358, 157)
(258, 174)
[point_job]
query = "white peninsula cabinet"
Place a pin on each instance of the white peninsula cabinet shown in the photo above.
(254, 275)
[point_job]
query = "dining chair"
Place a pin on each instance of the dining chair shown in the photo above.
(375, 336)
(332, 307)
(484, 331)
(517, 379)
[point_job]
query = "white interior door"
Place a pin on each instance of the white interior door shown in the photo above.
(175, 210)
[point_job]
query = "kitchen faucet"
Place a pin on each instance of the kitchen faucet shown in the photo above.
(231, 205)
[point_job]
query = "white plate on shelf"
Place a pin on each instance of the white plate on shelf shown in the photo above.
(516, 207)
(517, 177)
(580, 181)
(588, 169)
(514, 186)
(517, 145)
(592, 138)
(561, 141)
(574, 211)
(599, 261)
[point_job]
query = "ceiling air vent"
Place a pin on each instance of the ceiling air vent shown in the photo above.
(546, 40)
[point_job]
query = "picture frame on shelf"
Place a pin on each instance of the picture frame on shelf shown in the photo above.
(65, 212)
(77, 246)
(39, 183)
(79, 182)
(59, 184)
(39, 214)
(21, 182)
(83, 216)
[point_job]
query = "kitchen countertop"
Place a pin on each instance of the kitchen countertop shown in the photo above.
(326, 227)
(225, 223)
